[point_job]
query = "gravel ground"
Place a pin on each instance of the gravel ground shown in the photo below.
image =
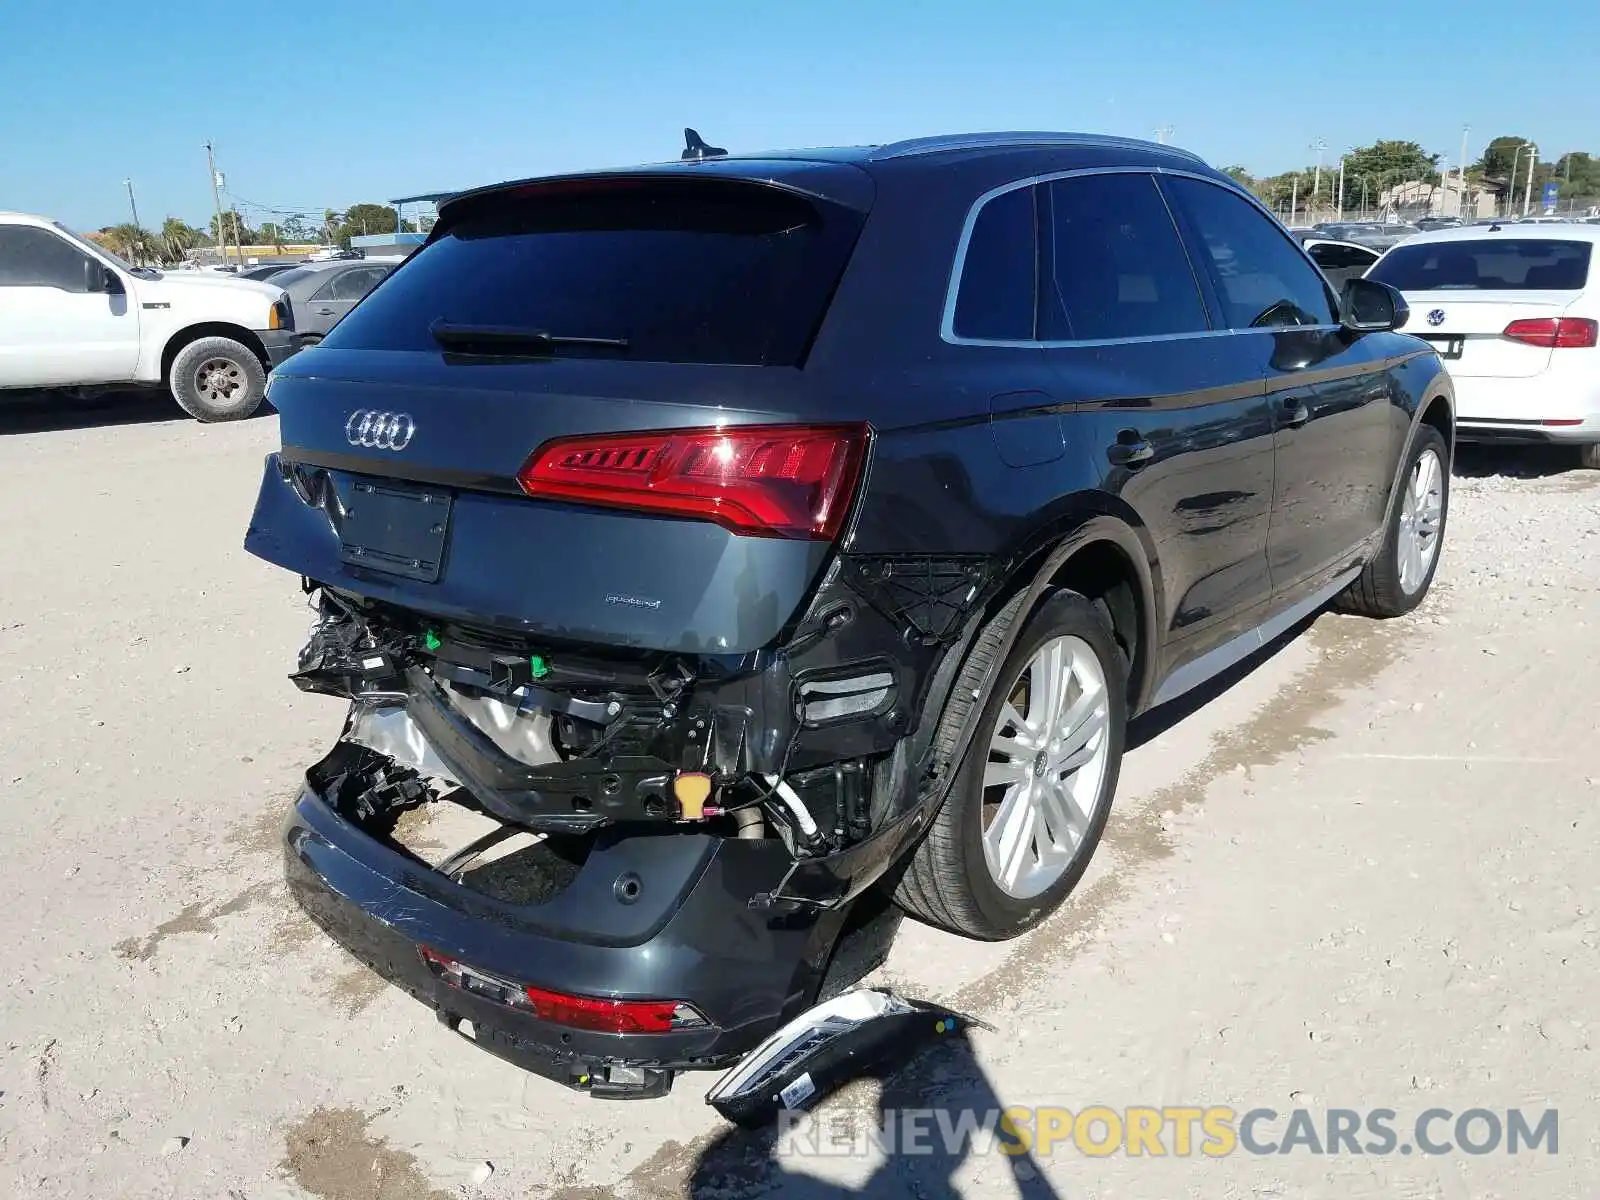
(1361, 875)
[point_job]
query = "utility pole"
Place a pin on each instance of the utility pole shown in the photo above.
(1511, 185)
(1527, 193)
(216, 200)
(1465, 129)
(1341, 187)
(128, 183)
(1294, 197)
(1320, 147)
(1163, 132)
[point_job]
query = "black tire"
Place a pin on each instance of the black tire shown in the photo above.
(1377, 591)
(218, 379)
(1589, 457)
(948, 882)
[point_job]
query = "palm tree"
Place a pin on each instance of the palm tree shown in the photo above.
(129, 241)
(177, 238)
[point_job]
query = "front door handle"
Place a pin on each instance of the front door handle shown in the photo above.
(1130, 450)
(324, 312)
(1295, 414)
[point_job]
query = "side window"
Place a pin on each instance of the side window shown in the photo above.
(995, 301)
(34, 257)
(346, 285)
(1262, 277)
(1118, 266)
(1341, 257)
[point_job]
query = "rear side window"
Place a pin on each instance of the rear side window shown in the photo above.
(1341, 257)
(1000, 271)
(34, 257)
(1118, 267)
(1262, 277)
(689, 271)
(1492, 264)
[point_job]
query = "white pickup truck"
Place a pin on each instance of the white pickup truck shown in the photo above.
(74, 315)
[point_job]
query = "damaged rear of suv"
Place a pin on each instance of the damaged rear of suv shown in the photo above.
(666, 521)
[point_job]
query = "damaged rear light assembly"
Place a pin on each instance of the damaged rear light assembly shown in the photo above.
(790, 481)
(590, 1013)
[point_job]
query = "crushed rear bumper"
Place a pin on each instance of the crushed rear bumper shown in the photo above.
(688, 933)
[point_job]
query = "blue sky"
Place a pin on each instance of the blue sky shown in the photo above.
(324, 105)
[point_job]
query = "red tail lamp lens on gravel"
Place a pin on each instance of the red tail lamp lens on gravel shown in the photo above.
(596, 1014)
(789, 481)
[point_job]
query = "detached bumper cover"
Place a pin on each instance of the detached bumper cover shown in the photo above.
(687, 933)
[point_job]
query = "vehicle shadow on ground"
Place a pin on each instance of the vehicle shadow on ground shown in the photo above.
(1478, 461)
(53, 412)
(929, 1119)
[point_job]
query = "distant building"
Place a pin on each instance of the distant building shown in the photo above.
(1415, 199)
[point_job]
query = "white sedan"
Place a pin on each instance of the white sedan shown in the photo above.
(1514, 311)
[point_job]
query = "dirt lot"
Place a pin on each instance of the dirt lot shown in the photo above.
(1360, 876)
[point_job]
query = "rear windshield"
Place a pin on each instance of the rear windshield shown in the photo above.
(691, 271)
(287, 278)
(1493, 264)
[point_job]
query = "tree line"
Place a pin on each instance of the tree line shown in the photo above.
(171, 243)
(1371, 170)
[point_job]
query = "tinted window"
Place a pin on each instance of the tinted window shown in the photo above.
(700, 270)
(1263, 278)
(293, 276)
(1510, 264)
(1119, 268)
(999, 274)
(350, 285)
(34, 257)
(1336, 257)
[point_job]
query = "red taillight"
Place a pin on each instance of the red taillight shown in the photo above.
(1556, 333)
(576, 1012)
(793, 481)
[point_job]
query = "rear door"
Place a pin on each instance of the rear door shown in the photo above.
(53, 329)
(1468, 296)
(1336, 430)
(1168, 411)
(336, 297)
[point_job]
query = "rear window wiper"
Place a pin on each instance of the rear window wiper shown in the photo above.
(512, 339)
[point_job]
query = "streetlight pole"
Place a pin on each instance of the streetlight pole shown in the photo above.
(1527, 192)
(128, 183)
(1316, 180)
(1465, 129)
(216, 200)
(1511, 186)
(1341, 187)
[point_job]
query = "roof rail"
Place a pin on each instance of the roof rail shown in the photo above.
(980, 141)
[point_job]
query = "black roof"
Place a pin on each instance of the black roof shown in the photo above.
(793, 163)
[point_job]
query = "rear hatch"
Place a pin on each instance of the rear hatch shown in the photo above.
(545, 420)
(1488, 304)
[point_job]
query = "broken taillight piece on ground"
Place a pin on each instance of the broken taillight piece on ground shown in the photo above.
(841, 1039)
(593, 1013)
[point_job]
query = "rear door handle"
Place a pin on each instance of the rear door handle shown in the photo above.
(1130, 450)
(1295, 414)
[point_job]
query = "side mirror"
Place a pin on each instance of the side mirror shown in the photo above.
(99, 279)
(1368, 306)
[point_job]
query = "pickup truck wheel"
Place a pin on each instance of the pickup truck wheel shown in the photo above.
(218, 379)
(1397, 579)
(1026, 810)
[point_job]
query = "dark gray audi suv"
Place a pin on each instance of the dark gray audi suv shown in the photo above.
(753, 540)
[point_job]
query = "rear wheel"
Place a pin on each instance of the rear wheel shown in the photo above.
(1399, 576)
(218, 379)
(1027, 809)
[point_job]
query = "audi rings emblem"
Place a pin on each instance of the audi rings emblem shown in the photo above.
(379, 430)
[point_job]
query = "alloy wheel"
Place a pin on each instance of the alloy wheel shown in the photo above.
(1421, 514)
(1043, 782)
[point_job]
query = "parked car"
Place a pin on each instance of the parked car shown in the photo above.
(322, 293)
(72, 314)
(266, 270)
(1428, 224)
(1339, 260)
(759, 533)
(1514, 311)
(1375, 235)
